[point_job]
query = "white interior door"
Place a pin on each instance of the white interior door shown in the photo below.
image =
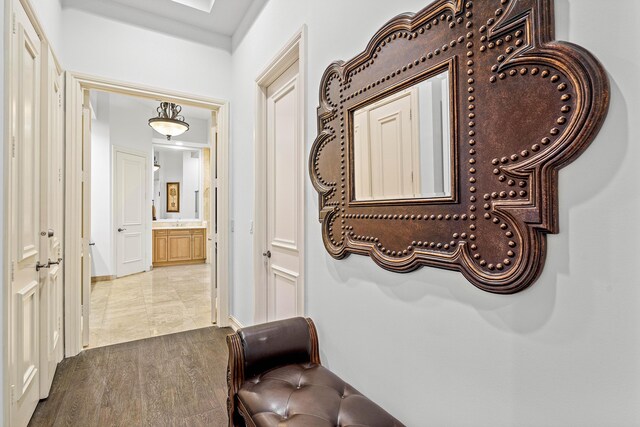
(284, 194)
(130, 216)
(24, 212)
(51, 222)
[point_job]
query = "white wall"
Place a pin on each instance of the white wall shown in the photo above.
(428, 346)
(107, 48)
(190, 183)
(49, 14)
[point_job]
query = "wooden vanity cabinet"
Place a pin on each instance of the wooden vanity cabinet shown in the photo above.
(179, 246)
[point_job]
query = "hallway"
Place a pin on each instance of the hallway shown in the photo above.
(159, 302)
(173, 380)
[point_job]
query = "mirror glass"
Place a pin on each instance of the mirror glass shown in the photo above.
(402, 144)
(177, 182)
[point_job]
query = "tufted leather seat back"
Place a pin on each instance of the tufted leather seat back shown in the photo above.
(275, 344)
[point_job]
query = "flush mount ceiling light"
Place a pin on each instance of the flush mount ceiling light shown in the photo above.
(202, 5)
(169, 121)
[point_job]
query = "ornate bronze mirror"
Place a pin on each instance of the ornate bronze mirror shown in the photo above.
(439, 145)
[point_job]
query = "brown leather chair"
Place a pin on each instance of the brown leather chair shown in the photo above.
(275, 378)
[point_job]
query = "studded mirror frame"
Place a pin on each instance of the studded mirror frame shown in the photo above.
(523, 107)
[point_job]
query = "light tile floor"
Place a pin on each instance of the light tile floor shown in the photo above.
(159, 302)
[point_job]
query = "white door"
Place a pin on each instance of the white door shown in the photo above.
(284, 194)
(51, 223)
(24, 212)
(130, 216)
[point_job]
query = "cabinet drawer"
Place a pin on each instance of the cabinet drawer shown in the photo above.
(185, 232)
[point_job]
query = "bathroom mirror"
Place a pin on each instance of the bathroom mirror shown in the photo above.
(439, 144)
(402, 143)
(177, 179)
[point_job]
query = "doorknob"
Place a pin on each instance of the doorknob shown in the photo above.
(49, 233)
(48, 264)
(120, 230)
(267, 254)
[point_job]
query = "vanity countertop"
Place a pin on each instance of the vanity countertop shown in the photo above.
(181, 227)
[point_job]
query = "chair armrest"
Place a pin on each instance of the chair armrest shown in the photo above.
(235, 377)
(274, 344)
(257, 349)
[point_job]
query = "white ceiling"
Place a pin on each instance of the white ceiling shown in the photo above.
(223, 27)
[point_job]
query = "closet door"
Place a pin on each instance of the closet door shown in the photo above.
(24, 213)
(284, 192)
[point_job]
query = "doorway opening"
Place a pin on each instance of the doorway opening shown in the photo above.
(151, 221)
(152, 209)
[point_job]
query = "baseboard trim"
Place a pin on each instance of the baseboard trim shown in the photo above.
(235, 324)
(102, 279)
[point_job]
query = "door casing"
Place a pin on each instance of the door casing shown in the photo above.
(294, 50)
(76, 84)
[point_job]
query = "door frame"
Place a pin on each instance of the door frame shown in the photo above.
(294, 50)
(76, 83)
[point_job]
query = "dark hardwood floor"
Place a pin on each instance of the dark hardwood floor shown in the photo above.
(172, 380)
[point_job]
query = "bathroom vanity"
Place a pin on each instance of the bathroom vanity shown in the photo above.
(179, 245)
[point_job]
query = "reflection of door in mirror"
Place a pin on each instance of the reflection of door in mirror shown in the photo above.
(402, 144)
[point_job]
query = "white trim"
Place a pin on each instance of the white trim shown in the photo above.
(224, 224)
(6, 197)
(235, 324)
(294, 50)
(72, 227)
(76, 83)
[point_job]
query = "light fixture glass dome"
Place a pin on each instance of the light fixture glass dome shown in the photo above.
(169, 121)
